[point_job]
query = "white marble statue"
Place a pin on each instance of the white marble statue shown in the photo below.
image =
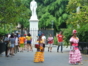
(33, 7)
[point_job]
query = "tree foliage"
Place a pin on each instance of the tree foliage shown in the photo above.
(18, 11)
(49, 10)
(13, 12)
(77, 18)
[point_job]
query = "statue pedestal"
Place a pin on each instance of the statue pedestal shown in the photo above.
(34, 29)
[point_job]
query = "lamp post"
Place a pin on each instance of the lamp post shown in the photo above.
(10, 27)
(4, 27)
(22, 24)
(52, 22)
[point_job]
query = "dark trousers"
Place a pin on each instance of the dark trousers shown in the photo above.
(38, 49)
(16, 49)
(6, 50)
(60, 44)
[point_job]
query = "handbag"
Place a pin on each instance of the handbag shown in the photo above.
(9, 44)
(72, 48)
(37, 45)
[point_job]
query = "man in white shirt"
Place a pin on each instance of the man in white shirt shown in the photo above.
(16, 44)
(9, 35)
(44, 40)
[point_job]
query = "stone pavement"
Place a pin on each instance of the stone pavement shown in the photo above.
(51, 59)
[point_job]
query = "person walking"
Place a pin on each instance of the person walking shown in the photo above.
(21, 43)
(12, 44)
(16, 44)
(60, 41)
(39, 55)
(44, 40)
(74, 54)
(6, 40)
(25, 43)
(50, 43)
(29, 39)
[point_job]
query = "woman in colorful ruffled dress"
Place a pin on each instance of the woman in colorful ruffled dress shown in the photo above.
(39, 55)
(74, 54)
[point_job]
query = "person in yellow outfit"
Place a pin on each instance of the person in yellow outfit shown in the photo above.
(39, 55)
(29, 40)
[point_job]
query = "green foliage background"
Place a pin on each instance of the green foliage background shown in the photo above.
(18, 11)
(78, 21)
(13, 12)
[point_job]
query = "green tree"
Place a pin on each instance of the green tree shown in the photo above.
(76, 19)
(14, 11)
(52, 10)
(81, 17)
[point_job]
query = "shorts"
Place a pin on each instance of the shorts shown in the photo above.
(50, 45)
(21, 45)
(12, 45)
(28, 42)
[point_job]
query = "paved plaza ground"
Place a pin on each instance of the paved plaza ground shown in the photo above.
(51, 59)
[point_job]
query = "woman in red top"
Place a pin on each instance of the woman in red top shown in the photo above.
(50, 43)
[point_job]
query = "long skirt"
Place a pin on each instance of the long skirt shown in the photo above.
(75, 56)
(39, 57)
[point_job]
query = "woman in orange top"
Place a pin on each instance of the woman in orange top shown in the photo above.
(21, 43)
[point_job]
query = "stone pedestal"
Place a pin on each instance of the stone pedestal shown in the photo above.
(33, 30)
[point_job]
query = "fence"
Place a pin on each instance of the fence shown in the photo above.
(83, 46)
(2, 47)
(35, 33)
(47, 32)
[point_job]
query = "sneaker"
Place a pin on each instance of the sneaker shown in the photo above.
(80, 63)
(41, 61)
(57, 51)
(7, 56)
(61, 52)
(21, 51)
(27, 51)
(13, 55)
(10, 54)
(48, 50)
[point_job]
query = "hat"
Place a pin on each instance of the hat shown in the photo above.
(42, 33)
(24, 34)
(74, 31)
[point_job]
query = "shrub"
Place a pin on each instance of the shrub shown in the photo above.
(67, 33)
(83, 33)
(55, 41)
